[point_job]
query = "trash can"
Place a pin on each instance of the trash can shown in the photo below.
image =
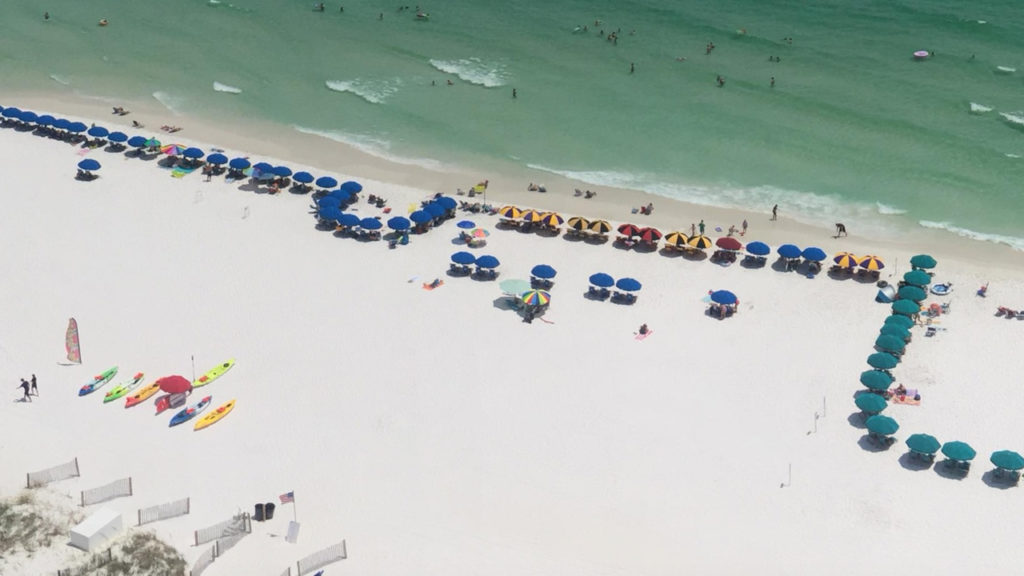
(258, 516)
(269, 510)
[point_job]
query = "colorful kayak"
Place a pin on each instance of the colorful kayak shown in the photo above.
(123, 388)
(213, 374)
(163, 402)
(215, 416)
(190, 412)
(97, 381)
(142, 395)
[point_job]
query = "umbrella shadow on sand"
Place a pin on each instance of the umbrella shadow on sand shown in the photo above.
(949, 469)
(857, 419)
(505, 303)
(1000, 481)
(870, 443)
(910, 461)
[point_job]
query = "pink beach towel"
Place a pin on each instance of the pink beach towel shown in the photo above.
(644, 336)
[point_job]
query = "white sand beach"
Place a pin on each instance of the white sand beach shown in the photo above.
(437, 433)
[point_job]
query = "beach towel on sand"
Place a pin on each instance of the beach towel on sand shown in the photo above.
(644, 336)
(179, 172)
(432, 285)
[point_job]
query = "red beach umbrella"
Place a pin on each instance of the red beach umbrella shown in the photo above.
(650, 234)
(729, 243)
(629, 230)
(174, 384)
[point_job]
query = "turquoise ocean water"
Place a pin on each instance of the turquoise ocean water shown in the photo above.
(854, 130)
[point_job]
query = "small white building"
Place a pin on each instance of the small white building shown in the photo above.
(99, 527)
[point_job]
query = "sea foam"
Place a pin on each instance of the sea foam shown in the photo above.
(169, 101)
(1015, 120)
(979, 108)
(63, 80)
(1014, 242)
(373, 91)
(373, 146)
(474, 71)
(217, 86)
(886, 210)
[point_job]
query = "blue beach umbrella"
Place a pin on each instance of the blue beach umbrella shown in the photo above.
(350, 186)
(326, 182)
(464, 258)
(340, 194)
(117, 137)
(723, 297)
(28, 116)
(302, 177)
(137, 142)
(370, 224)
(77, 127)
(282, 171)
(788, 251)
(435, 210)
(11, 112)
(487, 262)
(814, 254)
(399, 223)
(602, 280)
(264, 167)
(330, 213)
(447, 202)
(89, 165)
(466, 224)
(61, 123)
(879, 424)
(543, 271)
(217, 159)
(421, 217)
(349, 220)
(329, 201)
(758, 248)
(628, 284)
(98, 132)
(239, 163)
(45, 120)
(193, 153)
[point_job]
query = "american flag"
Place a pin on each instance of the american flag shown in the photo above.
(287, 497)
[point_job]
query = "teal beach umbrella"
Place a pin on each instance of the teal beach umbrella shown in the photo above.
(882, 425)
(957, 450)
(895, 331)
(923, 261)
(912, 293)
(883, 361)
(906, 307)
(900, 320)
(918, 278)
(923, 444)
(1007, 459)
(887, 343)
(875, 380)
(871, 403)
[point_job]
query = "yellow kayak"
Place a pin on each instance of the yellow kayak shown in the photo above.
(143, 394)
(213, 374)
(214, 415)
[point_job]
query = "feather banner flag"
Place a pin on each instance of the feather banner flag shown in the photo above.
(71, 342)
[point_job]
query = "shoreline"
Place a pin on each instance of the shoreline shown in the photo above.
(509, 185)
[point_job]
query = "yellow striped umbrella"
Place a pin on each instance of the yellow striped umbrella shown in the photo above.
(701, 241)
(510, 212)
(579, 224)
(676, 239)
(845, 260)
(600, 226)
(532, 216)
(872, 263)
(552, 219)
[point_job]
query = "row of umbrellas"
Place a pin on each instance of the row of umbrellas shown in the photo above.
(846, 260)
(602, 280)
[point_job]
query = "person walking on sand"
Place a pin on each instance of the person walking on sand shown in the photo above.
(840, 229)
(775, 212)
(24, 386)
(701, 226)
(693, 229)
(35, 389)
(744, 232)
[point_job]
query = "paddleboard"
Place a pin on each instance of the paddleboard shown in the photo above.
(214, 416)
(97, 381)
(142, 395)
(123, 388)
(213, 374)
(188, 413)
